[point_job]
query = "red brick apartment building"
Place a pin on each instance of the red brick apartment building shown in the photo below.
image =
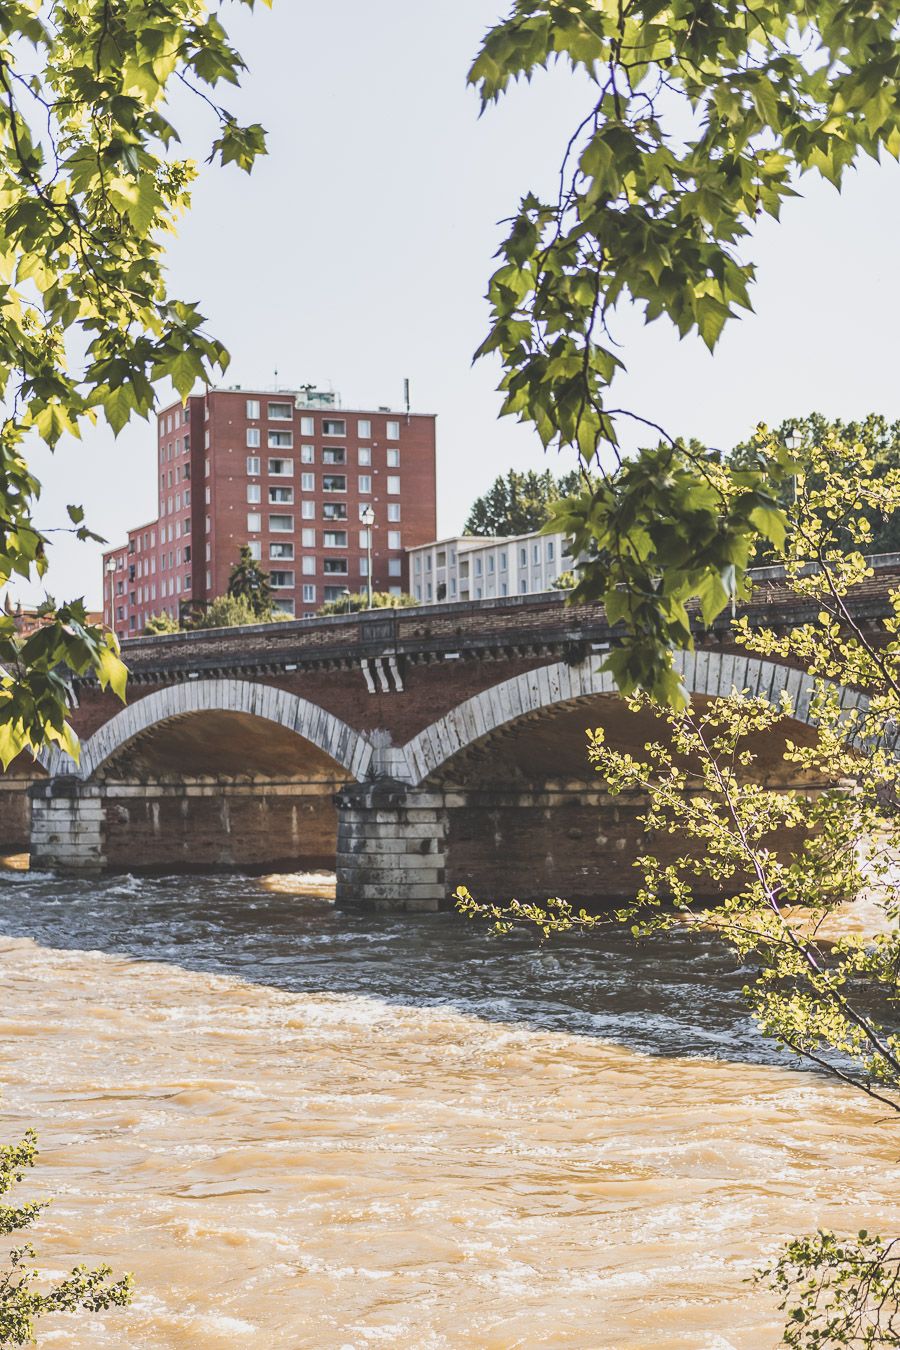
(290, 474)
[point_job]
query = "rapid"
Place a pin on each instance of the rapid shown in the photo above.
(301, 1128)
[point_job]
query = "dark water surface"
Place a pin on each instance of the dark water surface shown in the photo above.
(678, 994)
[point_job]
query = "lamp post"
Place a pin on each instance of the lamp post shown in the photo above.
(346, 594)
(368, 519)
(794, 441)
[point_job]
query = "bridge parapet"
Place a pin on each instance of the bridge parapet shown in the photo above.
(542, 624)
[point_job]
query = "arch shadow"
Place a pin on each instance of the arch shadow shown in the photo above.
(350, 749)
(707, 673)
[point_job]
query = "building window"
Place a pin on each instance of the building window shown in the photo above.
(254, 496)
(281, 467)
(255, 548)
(334, 454)
(364, 538)
(392, 431)
(308, 454)
(281, 496)
(307, 482)
(393, 512)
(252, 408)
(308, 567)
(335, 592)
(393, 459)
(418, 562)
(523, 587)
(364, 567)
(285, 606)
(281, 440)
(365, 483)
(308, 510)
(284, 552)
(254, 522)
(335, 567)
(394, 539)
(253, 464)
(280, 581)
(523, 557)
(334, 482)
(308, 538)
(309, 594)
(364, 429)
(280, 412)
(335, 539)
(334, 511)
(308, 426)
(479, 567)
(393, 485)
(395, 567)
(503, 562)
(364, 456)
(252, 437)
(332, 426)
(281, 524)
(207, 499)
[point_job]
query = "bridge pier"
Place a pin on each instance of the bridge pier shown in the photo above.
(391, 852)
(67, 826)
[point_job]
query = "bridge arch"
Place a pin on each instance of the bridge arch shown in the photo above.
(708, 673)
(350, 749)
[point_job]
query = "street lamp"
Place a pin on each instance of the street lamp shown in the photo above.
(346, 594)
(793, 440)
(368, 519)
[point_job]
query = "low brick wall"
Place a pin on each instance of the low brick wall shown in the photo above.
(218, 828)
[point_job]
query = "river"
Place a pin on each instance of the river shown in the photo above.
(303, 1129)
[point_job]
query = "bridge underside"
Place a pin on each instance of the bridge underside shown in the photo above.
(257, 797)
(519, 812)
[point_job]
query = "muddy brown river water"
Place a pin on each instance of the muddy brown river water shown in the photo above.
(300, 1129)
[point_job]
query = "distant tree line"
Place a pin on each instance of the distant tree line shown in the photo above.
(519, 502)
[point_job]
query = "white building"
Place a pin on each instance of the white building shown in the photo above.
(470, 567)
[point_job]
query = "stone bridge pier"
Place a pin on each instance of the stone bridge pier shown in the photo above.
(391, 847)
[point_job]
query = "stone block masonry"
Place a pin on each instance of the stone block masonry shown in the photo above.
(391, 848)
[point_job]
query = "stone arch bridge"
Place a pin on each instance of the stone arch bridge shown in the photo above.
(411, 751)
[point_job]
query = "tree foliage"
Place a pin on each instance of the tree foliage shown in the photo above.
(879, 438)
(701, 119)
(249, 582)
(160, 624)
(355, 601)
(786, 860)
(230, 611)
(91, 185)
(518, 502)
(22, 1301)
(838, 1291)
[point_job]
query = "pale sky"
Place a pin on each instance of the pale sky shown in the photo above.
(358, 254)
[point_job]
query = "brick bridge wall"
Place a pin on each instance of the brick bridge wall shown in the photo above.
(389, 706)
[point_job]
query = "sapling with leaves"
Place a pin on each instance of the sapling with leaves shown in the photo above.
(24, 1297)
(786, 854)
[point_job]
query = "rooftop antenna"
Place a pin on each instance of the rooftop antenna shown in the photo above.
(406, 397)
(276, 379)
